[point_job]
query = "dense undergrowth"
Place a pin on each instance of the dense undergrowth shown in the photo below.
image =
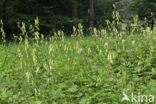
(78, 70)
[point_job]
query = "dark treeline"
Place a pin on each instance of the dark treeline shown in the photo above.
(64, 14)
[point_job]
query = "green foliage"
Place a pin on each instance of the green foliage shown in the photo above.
(54, 15)
(103, 11)
(69, 70)
(143, 7)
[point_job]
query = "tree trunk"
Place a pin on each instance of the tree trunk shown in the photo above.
(75, 11)
(91, 14)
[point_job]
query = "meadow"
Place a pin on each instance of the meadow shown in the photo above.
(93, 69)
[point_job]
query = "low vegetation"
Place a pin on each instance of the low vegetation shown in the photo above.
(94, 69)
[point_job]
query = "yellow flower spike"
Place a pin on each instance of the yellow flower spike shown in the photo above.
(28, 76)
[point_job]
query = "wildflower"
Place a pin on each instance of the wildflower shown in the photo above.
(89, 50)
(34, 56)
(110, 58)
(133, 42)
(106, 45)
(123, 41)
(95, 32)
(37, 69)
(100, 52)
(28, 76)
(79, 50)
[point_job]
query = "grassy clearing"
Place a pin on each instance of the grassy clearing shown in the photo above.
(84, 70)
